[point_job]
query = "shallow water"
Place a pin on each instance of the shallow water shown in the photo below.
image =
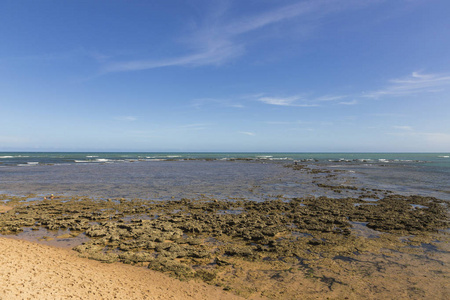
(406, 179)
(256, 180)
(150, 180)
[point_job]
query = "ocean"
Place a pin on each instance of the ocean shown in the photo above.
(258, 176)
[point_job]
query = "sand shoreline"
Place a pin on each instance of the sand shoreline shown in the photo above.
(34, 271)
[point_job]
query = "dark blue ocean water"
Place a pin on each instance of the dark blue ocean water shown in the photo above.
(249, 175)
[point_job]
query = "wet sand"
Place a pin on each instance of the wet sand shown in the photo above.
(33, 271)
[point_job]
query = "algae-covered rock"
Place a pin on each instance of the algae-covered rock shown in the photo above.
(172, 267)
(205, 275)
(97, 231)
(183, 237)
(104, 257)
(136, 257)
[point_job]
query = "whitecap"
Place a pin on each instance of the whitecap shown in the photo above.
(28, 164)
(7, 156)
(444, 156)
(102, 160)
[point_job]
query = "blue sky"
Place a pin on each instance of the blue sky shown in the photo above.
(243, 75)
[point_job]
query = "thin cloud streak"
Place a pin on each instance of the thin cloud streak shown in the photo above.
(353, 102)
(213, 55)
(286, 123)
(403, 127)
(290, 101)
(215, 44)
(279, 101)
(126, 118)
(275, 16)
(414, 84)
(197, 103)
(247, 133)
(330, 98)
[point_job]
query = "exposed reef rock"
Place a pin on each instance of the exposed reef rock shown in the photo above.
(210, 238)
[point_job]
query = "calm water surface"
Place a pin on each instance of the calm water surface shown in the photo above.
(222, 175)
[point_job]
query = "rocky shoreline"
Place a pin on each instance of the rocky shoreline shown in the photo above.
(273, 248)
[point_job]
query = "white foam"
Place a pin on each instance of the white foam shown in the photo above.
(102, 160)
(344, 159)
(28, 164)
(91, 156)
(444, 156)
(7, 156)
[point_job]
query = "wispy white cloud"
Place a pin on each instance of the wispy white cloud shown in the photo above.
(218, 40)
(286, 123)
(247, 133)
(69, 54)
(126, 118)
(211, 56)
(353, 102)
(289, 101)
(388, 115)
(216, 102)
(279, 101)
(403, 127)
(330, 98)
(416, 83)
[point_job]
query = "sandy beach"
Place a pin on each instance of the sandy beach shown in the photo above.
(33, 271)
